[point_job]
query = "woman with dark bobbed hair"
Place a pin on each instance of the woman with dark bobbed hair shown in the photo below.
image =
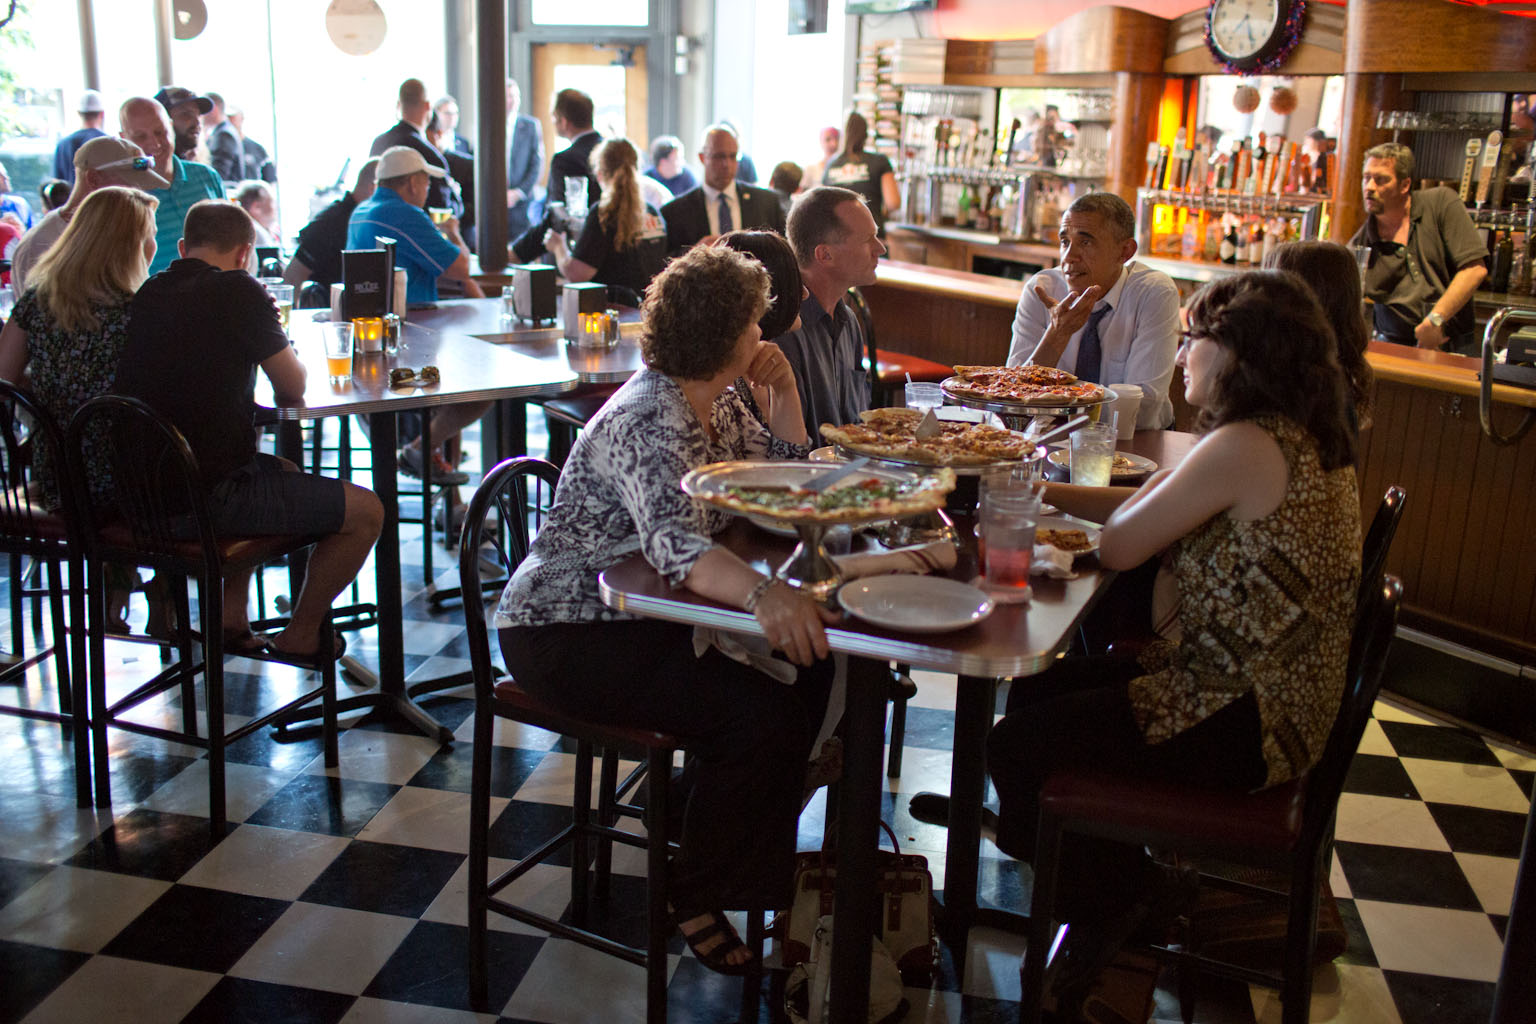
(1261, 526)
(772, 250)
(1331, 272)
(748, 734)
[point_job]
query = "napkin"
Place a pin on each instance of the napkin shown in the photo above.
(939, 556)
(1051, 562)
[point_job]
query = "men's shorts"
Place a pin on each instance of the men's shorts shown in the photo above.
(262, 498)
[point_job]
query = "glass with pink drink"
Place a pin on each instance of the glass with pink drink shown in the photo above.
(1010, 508)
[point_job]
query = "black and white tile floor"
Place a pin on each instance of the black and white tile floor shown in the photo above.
(339, 895)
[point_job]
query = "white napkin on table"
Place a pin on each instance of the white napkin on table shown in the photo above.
(921, 559)
(1052, 562)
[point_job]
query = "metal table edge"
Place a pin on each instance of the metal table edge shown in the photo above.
(917, 654)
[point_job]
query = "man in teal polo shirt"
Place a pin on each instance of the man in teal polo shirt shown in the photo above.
(395, 210)
(146, 124)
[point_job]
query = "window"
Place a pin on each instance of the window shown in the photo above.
(591, 12)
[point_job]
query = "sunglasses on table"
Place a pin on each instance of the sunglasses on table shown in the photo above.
(401, 376)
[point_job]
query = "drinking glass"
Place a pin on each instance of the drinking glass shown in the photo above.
(924, 395)
(338, 350)
(1005, 542)
(439, 214)
(576, 197)
(282, 294)
(1362, 259)
(1093, 452)
(7, 301)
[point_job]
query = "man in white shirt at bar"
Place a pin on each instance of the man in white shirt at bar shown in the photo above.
(1099, 315)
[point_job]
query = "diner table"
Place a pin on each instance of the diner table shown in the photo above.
(1015, 641)
(471, 371)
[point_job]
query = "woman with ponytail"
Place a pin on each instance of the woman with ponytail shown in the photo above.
(623, 243)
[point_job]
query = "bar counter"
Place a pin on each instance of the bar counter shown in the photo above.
(1465, 550)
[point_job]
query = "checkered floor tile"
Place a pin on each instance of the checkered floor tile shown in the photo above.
(337, 894)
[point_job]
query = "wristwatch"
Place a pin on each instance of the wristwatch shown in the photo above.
(1436, 319)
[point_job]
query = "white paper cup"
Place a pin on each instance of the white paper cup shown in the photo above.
(1126, 405)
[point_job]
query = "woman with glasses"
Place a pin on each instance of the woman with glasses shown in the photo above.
(1261, 527)
(68, 329)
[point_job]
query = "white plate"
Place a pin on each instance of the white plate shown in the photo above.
(1065, 523)
(1140, 465)
(915, 604)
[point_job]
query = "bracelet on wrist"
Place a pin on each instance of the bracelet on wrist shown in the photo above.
(756, 593)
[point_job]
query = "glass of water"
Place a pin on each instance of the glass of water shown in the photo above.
(1093, 454)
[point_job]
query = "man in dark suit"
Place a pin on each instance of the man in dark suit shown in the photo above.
(572, 115)
(722, 203)
(415, 112)
(226, 151)
(525, 161)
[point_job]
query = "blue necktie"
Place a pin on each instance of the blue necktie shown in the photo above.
(1090, 352)
(725, 215)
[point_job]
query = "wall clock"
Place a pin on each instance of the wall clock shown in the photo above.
(1248, 36)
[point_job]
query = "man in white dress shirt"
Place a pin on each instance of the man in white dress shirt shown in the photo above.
(1098, 314)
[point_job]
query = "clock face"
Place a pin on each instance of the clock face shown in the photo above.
(1241, 28)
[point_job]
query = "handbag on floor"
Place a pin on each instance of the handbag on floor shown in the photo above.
(807, 991)
(907, 908)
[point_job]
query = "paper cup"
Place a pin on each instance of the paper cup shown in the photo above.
(1126, 405)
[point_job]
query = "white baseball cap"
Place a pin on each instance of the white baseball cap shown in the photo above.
(90, 102)
(133, 168)
(398, 161)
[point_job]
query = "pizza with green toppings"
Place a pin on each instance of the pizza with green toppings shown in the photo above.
(858, 499)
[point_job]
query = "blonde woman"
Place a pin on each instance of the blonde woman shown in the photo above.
(623, 242)
(69, 326)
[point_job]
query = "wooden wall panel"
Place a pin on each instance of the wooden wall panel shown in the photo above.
(1103, 39)
(1465, 550)
(1137, 99)
(946, 329)
(1432, 35)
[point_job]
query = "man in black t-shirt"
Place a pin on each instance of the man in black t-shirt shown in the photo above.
(318, 257)
(197, 331)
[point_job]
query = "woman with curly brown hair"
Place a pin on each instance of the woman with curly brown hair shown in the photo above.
(748, 734)
(1261, 524)
(623, 242)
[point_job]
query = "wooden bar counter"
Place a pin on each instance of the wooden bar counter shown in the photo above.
(1466, 549)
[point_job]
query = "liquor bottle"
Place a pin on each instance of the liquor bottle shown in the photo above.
(963, 216)
(1213, 239)
(1256, 243)
(1229, 244)
(1503, 259)
(1242, 253)
(1189, 244)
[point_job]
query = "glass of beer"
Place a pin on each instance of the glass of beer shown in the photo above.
(1093, 454)
(338, 350)
(282, 295)
(439, 214)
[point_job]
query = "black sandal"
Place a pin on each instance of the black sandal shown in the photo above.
(728, 941)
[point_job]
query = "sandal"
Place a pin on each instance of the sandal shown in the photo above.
(246, 644)
(338, 648)
(716, 941)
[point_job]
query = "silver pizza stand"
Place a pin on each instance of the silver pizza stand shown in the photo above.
(809, 567)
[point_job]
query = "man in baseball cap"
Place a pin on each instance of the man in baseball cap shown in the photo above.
(100, 162)
(186, 109)
(425, 252)
(92, 114)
